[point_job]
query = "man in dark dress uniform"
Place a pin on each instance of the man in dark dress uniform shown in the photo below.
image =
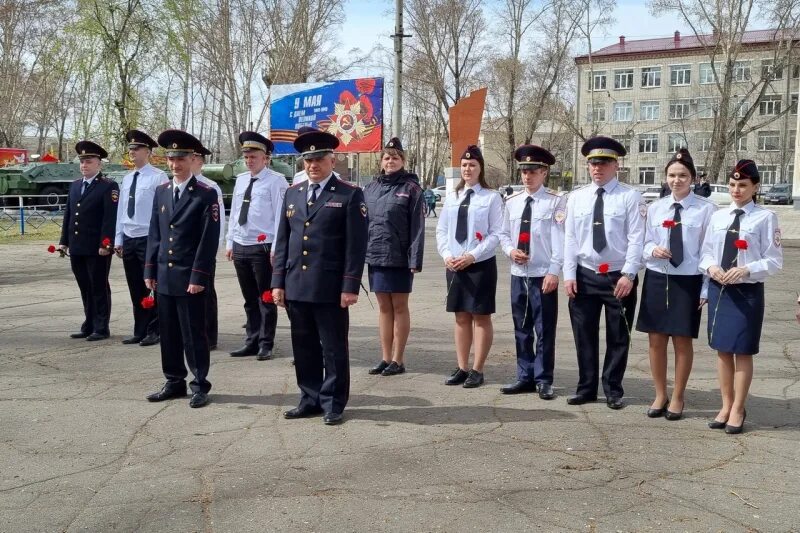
(181, 250)
(87, 233)
(319, 259)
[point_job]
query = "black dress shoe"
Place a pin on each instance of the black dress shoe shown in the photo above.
(264, 354)
(96, 337)
(615, 403)
(379, 368)
(735, 430)
(199, 399)
(546, 391)
(78, 335)
(333, 419)
(519, 387)
(302, 412)
(670, 415)
(244, 351)
(714, 424)
(474, 379)
(150, 340)
(393, 369)
(457, 377)
(657, 413)
(578, 399)
(131, 340)
(167, 392)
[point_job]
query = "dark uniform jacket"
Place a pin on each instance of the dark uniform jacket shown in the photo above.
(702, 189)
(319, 251)
(182, 243)
(91, 218)
(396, 221)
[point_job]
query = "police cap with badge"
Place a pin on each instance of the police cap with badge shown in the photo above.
(530, 156)
(746, 169)
(179, 143)
(87, 149)
(394, 144)
(315, 144)
(136, 139)
(473, 152)
(602, 149)
(251, 140)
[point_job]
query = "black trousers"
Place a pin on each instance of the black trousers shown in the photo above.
(595, 293)
(145, 321)
(534, 312)
(254, 272)
(321, 354)
(212, 323)
(91, 273)
(182, 325)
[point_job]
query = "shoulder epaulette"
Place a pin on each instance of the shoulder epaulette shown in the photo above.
(296, 185)
(202, 185)
(513, 195)
(348, 183)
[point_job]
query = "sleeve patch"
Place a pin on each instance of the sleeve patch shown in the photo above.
(363, 209)
(560, 215)
(115, 195)
(776, 238)
(643, 209)
(215, 212)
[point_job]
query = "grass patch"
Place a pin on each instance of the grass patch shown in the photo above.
(48, 232)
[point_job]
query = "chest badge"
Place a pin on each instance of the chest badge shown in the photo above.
(290, 211)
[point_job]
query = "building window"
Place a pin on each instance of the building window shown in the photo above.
(679, 109)
(706, 107)
(623, 79)
(651, 77)
(649, 110)
(742, 108)
(796, 71)
(793, 104)
(624, 174)
(741, 143)
(769, 71)
(704, 141)
(769, 141)
(707, 74)
(770, 104)
(741, 71)
(648, 143)
(768, 173)
(597, 80)
(676, 142)
(596, 113)
(792, 140)
(790, 173)
(680, 74)
(622, 111)
(624, 140)
(647, 175)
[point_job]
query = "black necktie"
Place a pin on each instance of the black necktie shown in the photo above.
(729, 251)
(676, 237)
(177, 195)
(84, 186)
(524, 245)
(248, 192)
(598, 231)
(132, 196)
(314, 189)
(461, 222)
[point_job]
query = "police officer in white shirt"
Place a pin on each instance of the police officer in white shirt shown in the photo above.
(602, 256)
(212, 323)
(533, 238)
(133, 225)
(252, 227)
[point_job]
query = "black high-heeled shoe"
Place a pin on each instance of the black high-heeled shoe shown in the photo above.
(735, 430)
(714, 424)
(657, 413)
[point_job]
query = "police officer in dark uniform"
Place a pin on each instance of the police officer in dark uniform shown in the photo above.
(181, 253)
(88, 233)
(319, 258)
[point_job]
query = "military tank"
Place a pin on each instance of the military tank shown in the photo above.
(51, 180)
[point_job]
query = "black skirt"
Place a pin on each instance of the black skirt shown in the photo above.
(390, 279)
(736, 314)
(670, 312)
(473, 289)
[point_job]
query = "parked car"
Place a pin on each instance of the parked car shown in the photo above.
(439, 192)
(780, 193)
(651, 193)
(720, 194)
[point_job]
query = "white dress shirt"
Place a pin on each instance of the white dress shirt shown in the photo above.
(139, 226)
(484, 216)
(213, 184)
(624, 214)
(266, 207)
(757, 226)
(548, 214)
(322, 185)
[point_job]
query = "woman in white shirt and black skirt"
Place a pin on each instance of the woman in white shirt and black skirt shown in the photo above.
(466, 236)
(742, 246)
(674, 290)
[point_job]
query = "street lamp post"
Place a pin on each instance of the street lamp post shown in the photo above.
(397, 115)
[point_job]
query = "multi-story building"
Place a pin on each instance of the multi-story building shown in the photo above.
(658, 95)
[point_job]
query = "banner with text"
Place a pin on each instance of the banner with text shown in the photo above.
(350, 109)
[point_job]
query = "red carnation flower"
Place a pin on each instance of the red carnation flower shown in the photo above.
(106, 242)
(740, 244)
(266, 297)
(51, 249)
(479, 236)
(261, 237)
(669, 224)
(148, 302)
(603, 268)
(524, 237)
